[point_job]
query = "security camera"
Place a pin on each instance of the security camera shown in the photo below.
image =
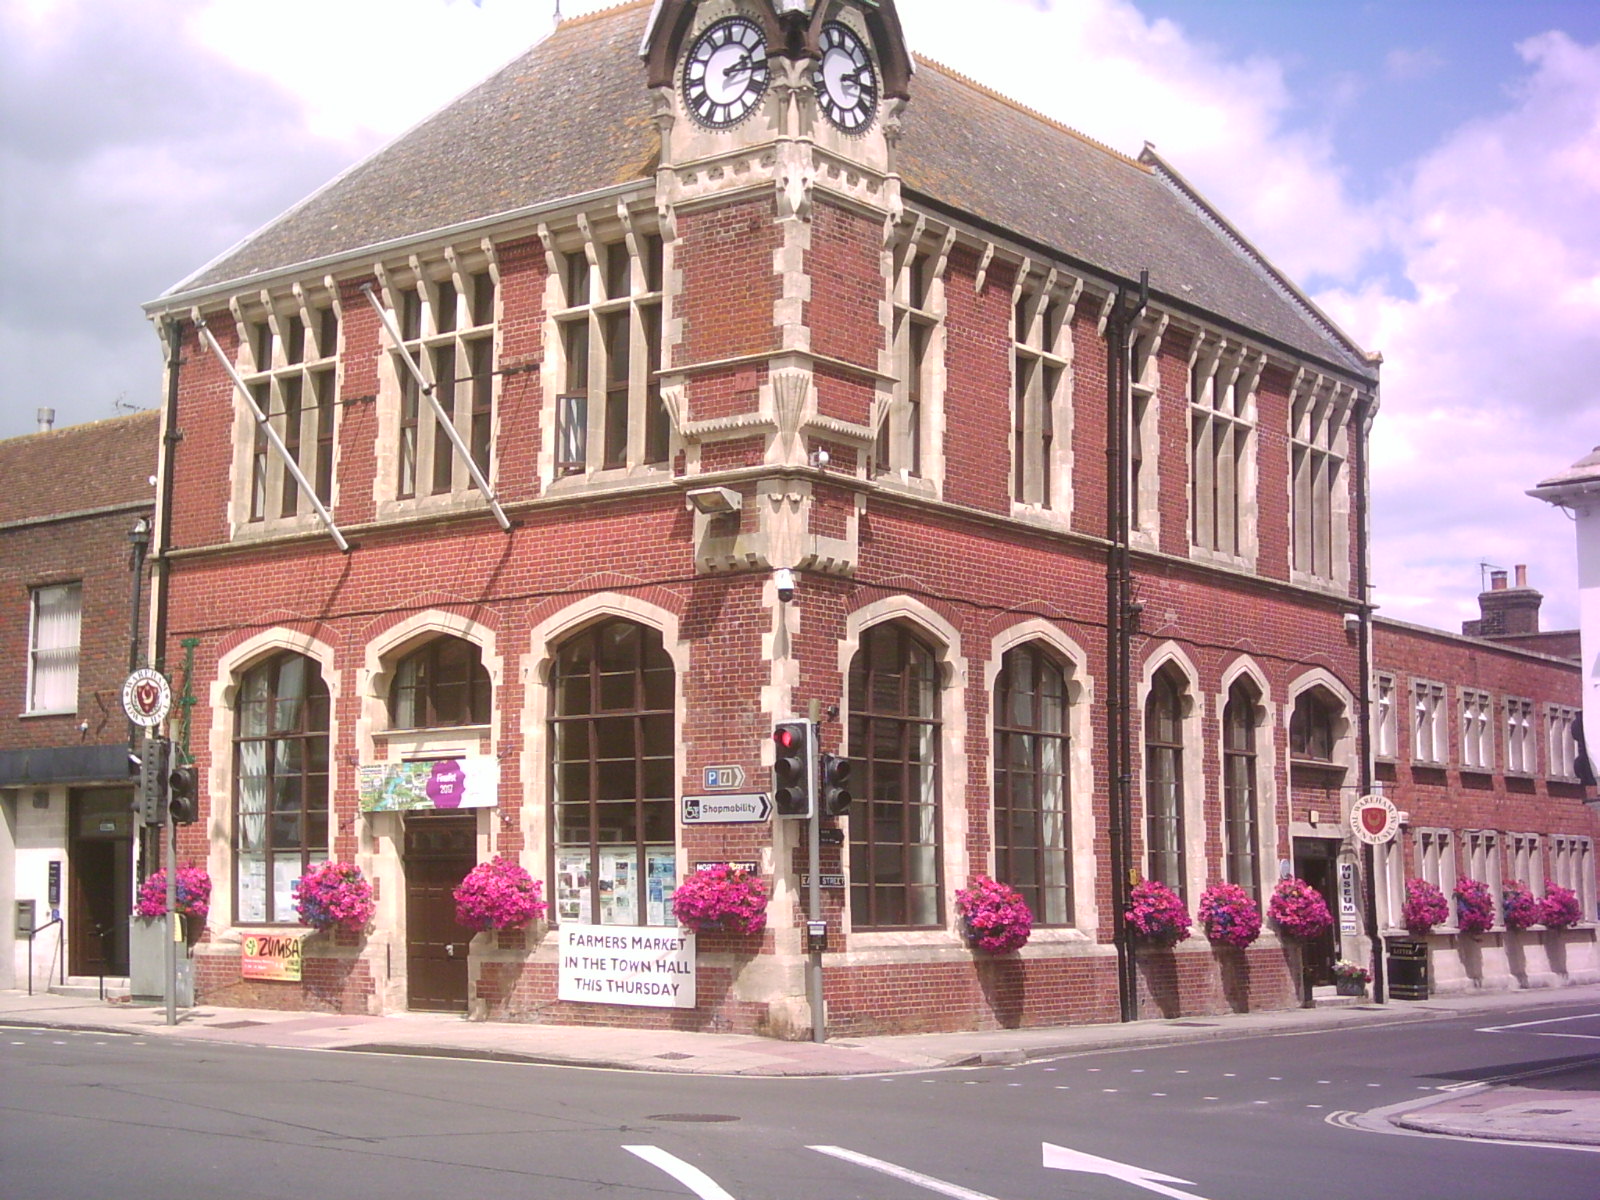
(783, 577)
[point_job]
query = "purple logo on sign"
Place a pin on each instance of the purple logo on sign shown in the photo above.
(446, 785)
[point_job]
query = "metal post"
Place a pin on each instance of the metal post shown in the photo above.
(174, 921)
(819, 1021)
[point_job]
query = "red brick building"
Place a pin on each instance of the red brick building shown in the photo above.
(67, 842)
(705, 367)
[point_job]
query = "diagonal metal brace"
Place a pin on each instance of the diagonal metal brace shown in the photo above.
(274, 439)
(445, 423)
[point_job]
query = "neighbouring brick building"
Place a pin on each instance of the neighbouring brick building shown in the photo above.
(72, 497)
(706, 365)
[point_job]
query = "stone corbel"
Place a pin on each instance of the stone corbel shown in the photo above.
(1104, 316)
(793, 394)
(552, 260)
(982, 276)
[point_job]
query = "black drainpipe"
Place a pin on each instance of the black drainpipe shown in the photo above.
(1363, 417)
(1121, 619)
(169, 453)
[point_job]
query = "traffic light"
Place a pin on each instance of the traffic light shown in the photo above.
(184, 801)
(153, 781)
(834, 772)
(791, 769)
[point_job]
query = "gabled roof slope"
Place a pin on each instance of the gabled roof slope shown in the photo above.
(574, 115)
(965, 147)
(570, 116)
(79, 468)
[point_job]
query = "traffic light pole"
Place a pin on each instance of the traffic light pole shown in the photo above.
(174, 922)
(819, 1022)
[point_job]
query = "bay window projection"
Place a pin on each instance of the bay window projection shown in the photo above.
(292, 376)
(1561, 725)
(613, 749)
(1477, 730)
(1032, 828)
(609, 412)
(1429, 736)
(447, 325)
(280, 804)
(895, 838)
(1521, 739)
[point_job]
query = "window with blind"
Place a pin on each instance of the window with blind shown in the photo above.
(54, 625)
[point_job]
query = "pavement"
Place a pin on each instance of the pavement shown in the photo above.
(1560, 1106)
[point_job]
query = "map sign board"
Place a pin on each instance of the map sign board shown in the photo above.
(469, 781)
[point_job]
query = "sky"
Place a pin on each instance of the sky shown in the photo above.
(1428, 171)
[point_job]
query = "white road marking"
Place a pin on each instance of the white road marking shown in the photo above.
(902, 1173)
(1587, 1037)
(693, 1178)
(1059, 1158)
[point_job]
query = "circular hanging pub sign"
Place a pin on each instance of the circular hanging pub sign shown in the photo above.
(1374, 820)
(147, 697)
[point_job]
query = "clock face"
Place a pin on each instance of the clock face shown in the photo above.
(845, 79)
(725, 73)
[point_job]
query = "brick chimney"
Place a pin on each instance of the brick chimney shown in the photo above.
(1506, 611)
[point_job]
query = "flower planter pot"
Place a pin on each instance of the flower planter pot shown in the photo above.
(1349, 987)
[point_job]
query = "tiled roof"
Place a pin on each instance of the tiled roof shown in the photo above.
(573, 115)
(79, 468)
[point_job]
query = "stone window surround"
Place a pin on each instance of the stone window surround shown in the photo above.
(71, 592)
(277, 306)
(422, 275)
(1319, 449)
(913, 442)
(1042, 482)
(1522, 737)
(1475, 710)
(1430, 727)
(1218, 427)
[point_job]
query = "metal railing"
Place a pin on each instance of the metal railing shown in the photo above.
(61, 949)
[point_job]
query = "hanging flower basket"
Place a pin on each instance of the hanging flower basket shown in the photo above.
(1157, 913)
(334, 895)
(1229, 916)
(193, 894)
(1474, 906)
(1425, 907)
(1522, 911)
(994, 916)
(721, 897)
(1561, 908)
(498, 894)
(1299, 910)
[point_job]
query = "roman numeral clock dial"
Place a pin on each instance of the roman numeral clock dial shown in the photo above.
(725, 73)
(845, 79)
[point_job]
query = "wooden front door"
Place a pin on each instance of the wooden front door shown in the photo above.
(99, 881)
(440, 850)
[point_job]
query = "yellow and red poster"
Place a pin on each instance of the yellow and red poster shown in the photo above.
(271, 956)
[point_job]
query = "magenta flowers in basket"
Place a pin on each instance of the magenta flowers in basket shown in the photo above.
(1229, 916)
(721, 897)
(498, 894)
(1424, 908)
(334, 895)
(994, 916)
(1298, 909)
(1561, 908)
(1157, 912)
(193, 898)
(1474, 906)
(1521, 909)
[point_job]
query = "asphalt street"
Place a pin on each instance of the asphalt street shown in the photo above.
(90, 1114)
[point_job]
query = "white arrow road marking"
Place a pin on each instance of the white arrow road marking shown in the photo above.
(693, 1178)
(1059, 1158)
(901, 1173)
